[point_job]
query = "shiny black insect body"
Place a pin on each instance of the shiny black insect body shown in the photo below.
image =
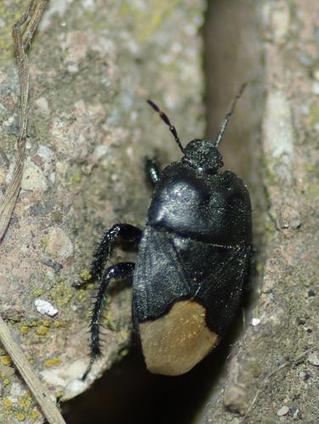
(193, 257)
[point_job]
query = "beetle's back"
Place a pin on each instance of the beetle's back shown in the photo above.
(192, 263)
(184, 287)
(213, 208)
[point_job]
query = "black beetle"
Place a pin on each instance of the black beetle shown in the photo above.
(193, 257)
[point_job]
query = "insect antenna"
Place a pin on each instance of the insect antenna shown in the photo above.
(224, 124)
(165, 118)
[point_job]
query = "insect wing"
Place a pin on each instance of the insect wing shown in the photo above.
(159, 278)
(171, 268)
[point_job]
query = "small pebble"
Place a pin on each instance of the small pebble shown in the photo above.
(313, 359)
(100, 151)
(45, 308)
(16, 390)
(58, 243)
(255, 322)
(283, 411)
(33, 178)
(295, 412)
(43, 105)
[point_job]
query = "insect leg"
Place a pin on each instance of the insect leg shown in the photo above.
(152, 170)
(127, 233)
(119, 271)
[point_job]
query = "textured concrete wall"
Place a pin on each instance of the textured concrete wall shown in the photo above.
(93, 64)
(272, 372)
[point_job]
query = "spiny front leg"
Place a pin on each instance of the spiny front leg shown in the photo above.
(128, 234)
(119, 271)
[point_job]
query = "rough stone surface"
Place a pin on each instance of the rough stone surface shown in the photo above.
(272, 371)
(93, 64)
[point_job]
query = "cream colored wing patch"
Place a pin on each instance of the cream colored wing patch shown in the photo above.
(176, 342)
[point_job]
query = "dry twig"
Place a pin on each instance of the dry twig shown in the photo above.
(22, 33)
(50, 411)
